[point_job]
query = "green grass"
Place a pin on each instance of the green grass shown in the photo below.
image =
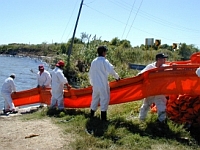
(121, 131)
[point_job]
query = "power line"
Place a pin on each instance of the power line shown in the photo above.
(68, 22)
(155, 18)
(120, 3)
(128, 19)
(134, 18)
(165, 22)
(90, 2)
(145, 15)
(104, 14)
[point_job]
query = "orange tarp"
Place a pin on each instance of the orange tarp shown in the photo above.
(26, 97)
(175, 79)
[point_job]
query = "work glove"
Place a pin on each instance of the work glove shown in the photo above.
(68, 86)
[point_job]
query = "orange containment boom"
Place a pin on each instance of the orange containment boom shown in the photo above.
(170, 80)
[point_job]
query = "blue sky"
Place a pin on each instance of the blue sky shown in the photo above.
(37, 21)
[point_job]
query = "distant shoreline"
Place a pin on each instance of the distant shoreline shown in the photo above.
(45, 59)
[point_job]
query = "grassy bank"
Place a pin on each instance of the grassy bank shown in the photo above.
(122, 130)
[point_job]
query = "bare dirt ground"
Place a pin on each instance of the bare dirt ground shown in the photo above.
(41, 134)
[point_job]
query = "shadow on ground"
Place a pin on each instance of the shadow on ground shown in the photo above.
(96, 127)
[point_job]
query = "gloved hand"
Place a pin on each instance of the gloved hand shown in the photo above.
(68, 86)
(38, 86)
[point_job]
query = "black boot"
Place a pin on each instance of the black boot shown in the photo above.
(92, 113)
(104, 115)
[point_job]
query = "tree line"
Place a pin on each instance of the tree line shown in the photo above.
(120, 54)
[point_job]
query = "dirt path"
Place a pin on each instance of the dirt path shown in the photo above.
(31, 134)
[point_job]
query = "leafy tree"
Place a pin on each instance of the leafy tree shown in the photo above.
(165, 46)
(185, 51)
(85, 37)
(125, 44)
(142, 46)
(63, 49)
(115, 41)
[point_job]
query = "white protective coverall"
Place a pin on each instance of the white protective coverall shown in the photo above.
(57, 87)
(44, 79)
(159, 100)
(198, 72)
(98, 75)
(7, 88)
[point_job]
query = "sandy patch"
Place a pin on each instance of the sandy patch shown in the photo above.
(31, 134)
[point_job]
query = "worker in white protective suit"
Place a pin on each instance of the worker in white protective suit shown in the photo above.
(158, 100)
(7, 89)
(98, 75)
(43, 77)
(57, 86)
(198, 72)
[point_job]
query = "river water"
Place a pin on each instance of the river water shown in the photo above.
(25, 69)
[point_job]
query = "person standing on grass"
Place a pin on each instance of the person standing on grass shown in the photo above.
(7, 89)
(159, 100)
(98, 75)
(57, 86)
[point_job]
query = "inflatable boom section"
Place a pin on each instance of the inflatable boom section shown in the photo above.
(170, 80)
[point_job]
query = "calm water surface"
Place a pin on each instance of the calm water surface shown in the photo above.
(25, 69)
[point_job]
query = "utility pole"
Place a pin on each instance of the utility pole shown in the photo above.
(71, 45)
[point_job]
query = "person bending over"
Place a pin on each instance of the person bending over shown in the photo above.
(158, 100)
(7, 89)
